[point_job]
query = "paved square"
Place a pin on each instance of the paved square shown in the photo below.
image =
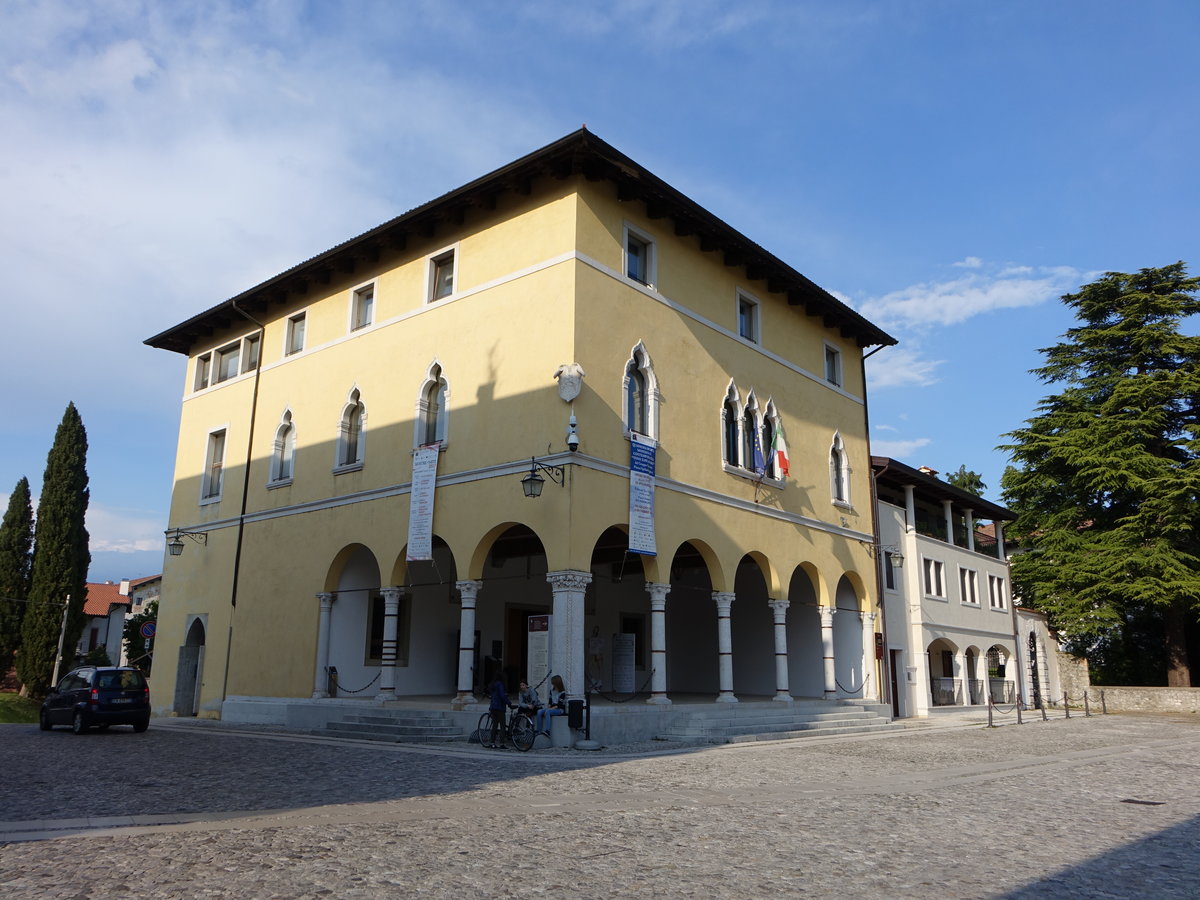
(1101, 807)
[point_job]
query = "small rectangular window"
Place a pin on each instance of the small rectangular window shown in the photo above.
(214, 466)
(250, 352)
(996, 592)
(227, 362)
(295, 334)
(747, 318)
(935, 585)
(637, 257)
(833, 365)
(889, 572)
(443, 276)
(203, 368)
(968, 583)
(364, 308)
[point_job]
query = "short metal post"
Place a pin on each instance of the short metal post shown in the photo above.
(1087, 712)
(990, 725)
(1018, 706)
(1067, 703)
(1103, 705)
(1042, 707)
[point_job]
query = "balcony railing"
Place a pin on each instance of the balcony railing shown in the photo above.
(946, 691)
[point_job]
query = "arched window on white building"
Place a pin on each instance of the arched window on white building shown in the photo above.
(352, 434)
(640, 395)
(432, 418)
(839, 471)
(283, 453)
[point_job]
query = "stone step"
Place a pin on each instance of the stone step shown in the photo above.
(720, 719)
(760, 722)
(820, 732)
(418, 720)
(393, 729)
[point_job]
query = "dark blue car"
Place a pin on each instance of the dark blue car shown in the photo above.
(98, 696)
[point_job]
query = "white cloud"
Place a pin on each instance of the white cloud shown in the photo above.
(971, 262)
(901, 367)
(982, 291)
(123, 530)
(901, 450)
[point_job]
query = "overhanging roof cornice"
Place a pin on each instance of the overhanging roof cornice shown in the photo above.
(892, 471)
(579, 153)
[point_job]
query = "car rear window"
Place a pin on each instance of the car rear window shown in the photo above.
(119, 681)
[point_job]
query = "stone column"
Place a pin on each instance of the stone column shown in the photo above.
(910, 508)
(970, 514)
(566, 636)
(321, 679)
(468, 591)
(724, 601)
(779, 609)
(871, 666)
(387, 670)
(1000, 540)
(948, 509)
(827, 648)
(658, 642)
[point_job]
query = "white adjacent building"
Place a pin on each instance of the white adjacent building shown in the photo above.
(948, 617)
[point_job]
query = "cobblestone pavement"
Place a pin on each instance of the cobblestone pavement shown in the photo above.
(1099, 807)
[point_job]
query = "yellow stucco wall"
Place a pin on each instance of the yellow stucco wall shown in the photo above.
(538, 284)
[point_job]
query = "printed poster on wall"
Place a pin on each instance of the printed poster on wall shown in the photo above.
(420, 511)
(641, 495)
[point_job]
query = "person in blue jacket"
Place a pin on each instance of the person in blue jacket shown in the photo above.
(497, 708)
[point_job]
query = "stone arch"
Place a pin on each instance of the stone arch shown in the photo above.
(973, 691)
(189, 672)
(945, 675)
(484, 546)
(356, 619)
(806, 671)
(848, 637)
(338, 565)
(692, 658)
(752, 622)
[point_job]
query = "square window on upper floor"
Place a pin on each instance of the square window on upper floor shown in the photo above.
(641, 261)
(749, 326)
(442, 272)
(362, 307)
(833, 365)
(294, 339)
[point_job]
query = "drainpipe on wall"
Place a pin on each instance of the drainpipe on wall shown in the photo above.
(241, 527)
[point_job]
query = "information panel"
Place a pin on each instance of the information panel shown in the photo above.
(420, 511)
(641, 495)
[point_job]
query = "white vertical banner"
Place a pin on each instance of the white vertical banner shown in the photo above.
(538, 634)
(420, 510)
(623, 662)
(641, 494)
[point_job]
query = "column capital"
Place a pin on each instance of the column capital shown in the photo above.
(468, 591)
(724, 599)
(869, 618)
(779, 605)
(658, 592)
(392, 594)
(326, 598)
(826, 615)
(569, 580)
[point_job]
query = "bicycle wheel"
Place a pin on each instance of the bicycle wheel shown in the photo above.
(484, 731)
(522, 732)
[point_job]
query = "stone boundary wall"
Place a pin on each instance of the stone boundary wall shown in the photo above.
(1147, 699)
(1073, 675)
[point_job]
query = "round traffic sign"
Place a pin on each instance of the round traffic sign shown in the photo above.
(147, 630)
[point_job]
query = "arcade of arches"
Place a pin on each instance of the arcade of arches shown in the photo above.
(699, 625)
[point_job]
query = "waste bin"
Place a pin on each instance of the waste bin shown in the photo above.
(575, 713)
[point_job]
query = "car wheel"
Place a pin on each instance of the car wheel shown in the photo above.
(79, 724)
(44, 721)
(141, 726)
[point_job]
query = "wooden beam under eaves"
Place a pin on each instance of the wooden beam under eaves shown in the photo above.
(347, 264)
(397, 240)
(683, 228)
(709, 244)
(755, 272)
(655, 211)
(733, 258)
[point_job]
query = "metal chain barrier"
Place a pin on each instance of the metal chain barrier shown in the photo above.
(613, 698)
(857, 690)
(342, 690)
(1085, 699)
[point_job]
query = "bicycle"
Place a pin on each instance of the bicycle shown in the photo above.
(518, 730)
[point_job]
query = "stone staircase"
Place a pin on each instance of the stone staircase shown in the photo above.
(396, 726)
(770, 721)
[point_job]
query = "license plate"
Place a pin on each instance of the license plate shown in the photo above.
(121, 700)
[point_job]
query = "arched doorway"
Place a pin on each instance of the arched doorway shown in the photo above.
(945, 685)
(753, 627)
(618, 618)
(514, 588)
(848, 641)
(692, 658)
(189, 675)
(806, 671)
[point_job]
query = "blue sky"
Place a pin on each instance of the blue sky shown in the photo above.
(948, 168)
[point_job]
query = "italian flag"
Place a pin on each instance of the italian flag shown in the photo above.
(779, 451)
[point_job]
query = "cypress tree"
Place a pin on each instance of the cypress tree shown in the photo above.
(60, 556)
(16, 544)
(1107, 478)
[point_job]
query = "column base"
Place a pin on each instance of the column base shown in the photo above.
(660, 700)
(830, 695)
(784, 698)
(726, 697)
(385, 695)
(462, 700)
(320, 695)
